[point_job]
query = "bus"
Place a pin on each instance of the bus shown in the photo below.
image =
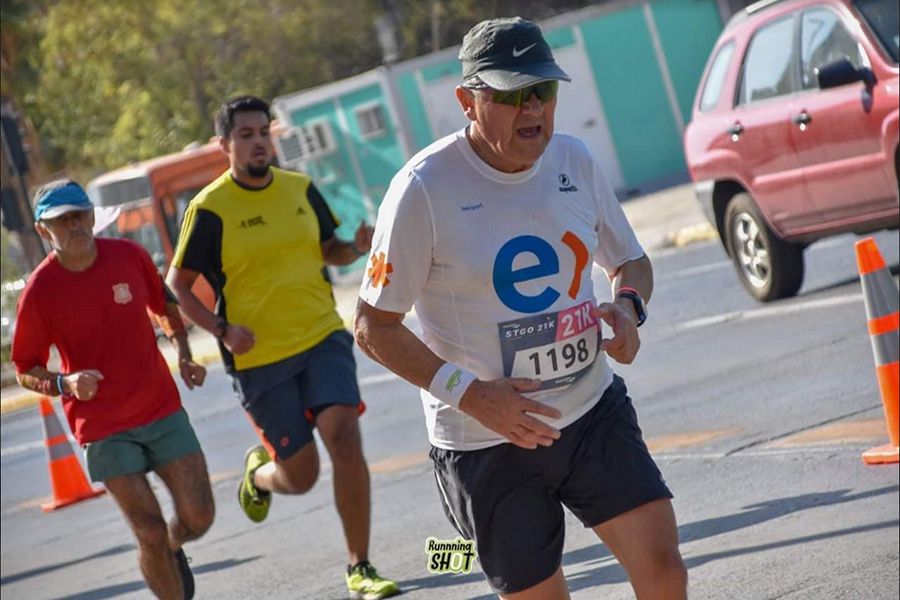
(152, 196)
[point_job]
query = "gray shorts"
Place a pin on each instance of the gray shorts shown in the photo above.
(277, 396)
(141, 449)
(510, 500)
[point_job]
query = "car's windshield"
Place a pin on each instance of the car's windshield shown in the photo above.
(882, 17)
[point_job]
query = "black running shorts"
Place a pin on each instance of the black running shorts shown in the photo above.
(510, 500)
(277, 396)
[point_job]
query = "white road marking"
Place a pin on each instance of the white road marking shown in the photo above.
(379, 378)
(774, 311)
(849, 448)
(20, 448)
(199, 414)
(695, 270)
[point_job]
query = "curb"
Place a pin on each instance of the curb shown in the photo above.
(29, 399)
(701, 232)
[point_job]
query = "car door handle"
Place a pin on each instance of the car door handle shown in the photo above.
(804, 118)
(736, 129)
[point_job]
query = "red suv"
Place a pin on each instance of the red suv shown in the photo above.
(794, 132)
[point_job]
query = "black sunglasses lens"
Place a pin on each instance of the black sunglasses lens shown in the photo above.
(545, 92)
(513, 98)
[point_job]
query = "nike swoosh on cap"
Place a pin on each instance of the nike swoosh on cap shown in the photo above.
(517, 53)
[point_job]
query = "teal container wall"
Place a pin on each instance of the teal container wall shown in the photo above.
(560, 38)
(688, 30)
(628, 77)
(441, 70)
(379, 157)
(415, 111)
(333, 174)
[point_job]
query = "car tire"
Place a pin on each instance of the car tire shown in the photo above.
(768, 267)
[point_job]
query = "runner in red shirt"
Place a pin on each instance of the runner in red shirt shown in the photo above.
(90, 299)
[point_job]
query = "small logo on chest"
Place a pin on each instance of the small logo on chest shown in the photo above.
(565, 184)
(122, 293)
(252, 222)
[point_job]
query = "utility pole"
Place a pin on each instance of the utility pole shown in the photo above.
(437, 10)
(15, 167)
(387, 28)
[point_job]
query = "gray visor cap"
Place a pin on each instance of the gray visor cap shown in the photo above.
(508, 54)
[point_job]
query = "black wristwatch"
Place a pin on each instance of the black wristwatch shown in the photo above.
(639, 308)
(221, 328)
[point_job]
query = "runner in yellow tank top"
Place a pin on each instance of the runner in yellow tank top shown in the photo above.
(262, 237)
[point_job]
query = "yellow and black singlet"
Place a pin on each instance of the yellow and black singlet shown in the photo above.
(260, 250)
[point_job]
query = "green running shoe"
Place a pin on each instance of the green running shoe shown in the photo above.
(254, 501)
(364, 583)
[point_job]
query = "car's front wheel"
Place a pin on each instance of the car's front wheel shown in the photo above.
(769, 267)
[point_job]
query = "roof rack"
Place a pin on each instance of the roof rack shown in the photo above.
(758, 6)
(745, 13)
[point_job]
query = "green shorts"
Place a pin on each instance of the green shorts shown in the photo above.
(141, 449)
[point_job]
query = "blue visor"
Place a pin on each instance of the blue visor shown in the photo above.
(61, 200)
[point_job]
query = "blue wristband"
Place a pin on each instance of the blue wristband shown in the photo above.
(59, 384)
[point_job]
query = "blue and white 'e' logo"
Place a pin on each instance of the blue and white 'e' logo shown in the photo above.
(505, 277)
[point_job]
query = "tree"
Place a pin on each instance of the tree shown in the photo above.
(453, 18)
(123, 81)
(10, 259)
(112, 81)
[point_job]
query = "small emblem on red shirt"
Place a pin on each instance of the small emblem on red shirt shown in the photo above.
(122, 293)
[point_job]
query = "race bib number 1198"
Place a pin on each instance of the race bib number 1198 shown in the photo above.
(556, 348)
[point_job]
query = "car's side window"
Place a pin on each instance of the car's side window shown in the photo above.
(767, 71)
(823, 40)
(712, 89)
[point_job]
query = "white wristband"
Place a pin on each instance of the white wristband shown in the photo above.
(450, 383)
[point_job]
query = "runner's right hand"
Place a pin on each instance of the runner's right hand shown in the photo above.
(238, 339)
(499, 406)
(83, 384)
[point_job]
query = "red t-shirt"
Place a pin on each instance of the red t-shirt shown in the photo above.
(97, 318)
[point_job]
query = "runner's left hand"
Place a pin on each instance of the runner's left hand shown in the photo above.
(191, 373)
(623, 346)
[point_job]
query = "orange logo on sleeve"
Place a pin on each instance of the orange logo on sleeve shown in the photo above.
(380, 270)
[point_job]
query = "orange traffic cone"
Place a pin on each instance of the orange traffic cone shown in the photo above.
(66, 475)
(883, 312)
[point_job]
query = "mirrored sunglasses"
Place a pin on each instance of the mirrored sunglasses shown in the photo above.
(545, 92)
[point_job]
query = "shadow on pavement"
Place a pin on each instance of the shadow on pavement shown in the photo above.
(49, 568)
(894, 269)
(613, 573)
(112, 591)
(753, 514)
(429, 583)
(440, 581)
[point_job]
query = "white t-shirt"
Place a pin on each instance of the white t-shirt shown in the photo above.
(498, 266)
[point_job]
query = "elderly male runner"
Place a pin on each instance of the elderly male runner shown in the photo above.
(490, 233)
(262, 237)
(90, 298)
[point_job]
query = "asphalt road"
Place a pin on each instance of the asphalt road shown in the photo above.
(756, 414)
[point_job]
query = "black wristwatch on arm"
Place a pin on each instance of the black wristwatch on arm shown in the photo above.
(221, 328)
(637, 301)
